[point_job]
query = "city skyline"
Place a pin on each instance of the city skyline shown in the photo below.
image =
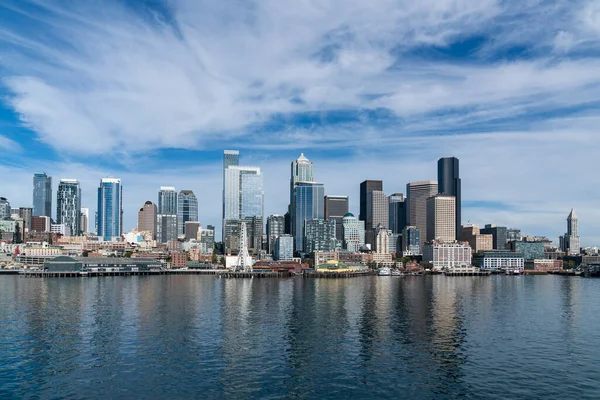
(210, 215)
(508, 103)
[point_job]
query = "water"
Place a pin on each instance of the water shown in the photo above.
(182, 337)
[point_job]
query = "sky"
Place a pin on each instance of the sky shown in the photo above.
(153, 91)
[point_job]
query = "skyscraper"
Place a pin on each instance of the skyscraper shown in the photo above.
(416, 211)
(571, 243)
(166, 228)
(319, 235)
(354, 233)
(441, 218)
(187, 209)
(167, 200)
(377, 214)
(147, 218)
(243, 201)
(68, 206)
(397, 213)
(309, 205)
(302, 170)
(275, 229)
(42, 195)
(26, 213)
(411, 241)
(335, 209)
(499, 235)
(110, 208)
(365, 188)
(4, 208)
(449, 184)
(231, 158)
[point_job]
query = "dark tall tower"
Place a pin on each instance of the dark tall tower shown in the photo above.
(335, 208)
(365, 188)
(449, 184)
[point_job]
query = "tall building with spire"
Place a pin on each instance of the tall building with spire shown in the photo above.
(302, 170)
(570, 243)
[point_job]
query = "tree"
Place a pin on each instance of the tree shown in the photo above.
(85, 253)
(223, 260)
(128, 254)
(214, 257)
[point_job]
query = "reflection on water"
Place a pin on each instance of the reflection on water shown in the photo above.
(378, 337)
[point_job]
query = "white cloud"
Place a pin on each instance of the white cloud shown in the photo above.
(8, 144)
(111, 79)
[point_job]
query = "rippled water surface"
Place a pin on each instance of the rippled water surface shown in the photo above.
(182, 337)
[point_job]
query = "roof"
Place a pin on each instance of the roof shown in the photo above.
(302, 158)
(349, 215)
(572, 215)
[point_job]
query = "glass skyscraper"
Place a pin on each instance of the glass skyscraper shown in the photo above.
(68, 206)
(167, 200)
(110, 208)
(42, 195)
(187, 210)
(309, 204)
(243, 200)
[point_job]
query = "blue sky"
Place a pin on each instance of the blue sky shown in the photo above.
(152, 92)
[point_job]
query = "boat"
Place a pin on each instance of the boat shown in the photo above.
(396, 272)
(385, 271)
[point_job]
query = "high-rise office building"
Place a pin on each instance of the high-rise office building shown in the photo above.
(441, 218)
(110, 208)
(284, 248)
(302, 170)
(191, 230)
(450, 185)
(411, 241)
(4, 208)
(319, 235)
(382, 240)
(207, 239)
(365, 188)
(243, 201)
(147, 218)
(167, 200)
(166, 228)
(26, 213)
(377, 214)
(187, 210)
(570, 243)
(275, 228)
(85, 220)
(335, 209)
(499, 235)
(68, 206)
(397, 213)
(309, 205)
(354, 233)
(416, 210)
(42, 195)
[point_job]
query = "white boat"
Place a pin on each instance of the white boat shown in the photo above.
(396, 272)
(385, 271)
